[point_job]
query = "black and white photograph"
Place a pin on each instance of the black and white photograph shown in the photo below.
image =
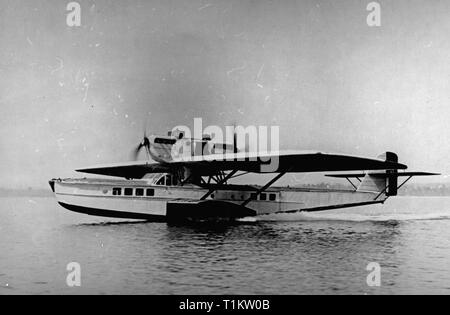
(224, 152)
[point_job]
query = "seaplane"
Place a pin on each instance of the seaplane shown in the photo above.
(169, 186)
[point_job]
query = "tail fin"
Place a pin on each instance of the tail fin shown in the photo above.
(392, 179)
(373, 183)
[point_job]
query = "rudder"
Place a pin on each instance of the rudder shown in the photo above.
(373, 183)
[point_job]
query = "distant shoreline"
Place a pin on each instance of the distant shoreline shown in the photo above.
(25, 192)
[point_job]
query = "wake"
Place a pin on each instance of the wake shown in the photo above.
(352, 217)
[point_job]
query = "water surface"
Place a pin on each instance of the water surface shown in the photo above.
(321, 253)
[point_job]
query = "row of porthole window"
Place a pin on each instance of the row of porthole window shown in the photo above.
(254, 196)
(263, 196)
(139, 192)
(149, 192)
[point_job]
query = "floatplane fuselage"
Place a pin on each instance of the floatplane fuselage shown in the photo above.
(198, 188)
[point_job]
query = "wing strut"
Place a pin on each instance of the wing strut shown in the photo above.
(405, 182)
(261, 190)
(400, 186)
(354, 186)
(219, 183)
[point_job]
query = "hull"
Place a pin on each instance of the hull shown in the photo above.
(140, 200)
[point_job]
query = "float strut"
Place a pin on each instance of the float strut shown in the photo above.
(220, 183)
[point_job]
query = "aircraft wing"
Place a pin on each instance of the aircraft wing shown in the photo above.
(275, 162)
(127, 170)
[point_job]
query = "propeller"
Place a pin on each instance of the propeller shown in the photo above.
(235, 139)
(145, 143)
(236, 148)
(235, 145)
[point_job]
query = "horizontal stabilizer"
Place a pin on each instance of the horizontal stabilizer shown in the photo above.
(381, 175)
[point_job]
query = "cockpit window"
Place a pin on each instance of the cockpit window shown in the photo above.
(168, 180)
(161, 181)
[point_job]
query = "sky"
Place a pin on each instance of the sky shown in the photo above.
(72, 97)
